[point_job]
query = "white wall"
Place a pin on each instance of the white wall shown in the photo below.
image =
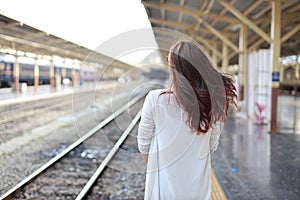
(259, 83)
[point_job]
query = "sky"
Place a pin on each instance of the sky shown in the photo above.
(87, 23)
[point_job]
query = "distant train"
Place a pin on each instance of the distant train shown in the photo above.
(26, 71)
(157, 73)
(289, 78)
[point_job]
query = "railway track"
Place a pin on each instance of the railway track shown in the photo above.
(89, 185)
(16, 112)
(16, 122)
(16, 116)
(50, 169)
(17, 119)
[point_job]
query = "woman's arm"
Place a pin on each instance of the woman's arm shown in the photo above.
(146, 128)
(215, 136)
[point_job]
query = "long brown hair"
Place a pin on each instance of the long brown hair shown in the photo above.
(200, 89)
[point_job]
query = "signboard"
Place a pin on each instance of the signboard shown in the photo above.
(275, 76)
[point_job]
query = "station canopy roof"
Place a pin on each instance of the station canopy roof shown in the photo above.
(16, 35)
(218, 21)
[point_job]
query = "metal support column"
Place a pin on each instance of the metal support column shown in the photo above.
(74, 77)
(16, 74)
(51, 71)
(296, 75)
(275, 54)
(63, 71)
(242, 60)
(214, 53)
(225, 59)
(36, 74)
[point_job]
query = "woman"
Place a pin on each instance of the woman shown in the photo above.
(180, 126)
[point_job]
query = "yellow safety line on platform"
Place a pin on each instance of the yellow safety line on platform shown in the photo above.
(217, 191)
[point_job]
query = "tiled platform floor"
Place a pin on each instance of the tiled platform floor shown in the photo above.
(217, 190)
(251, 163)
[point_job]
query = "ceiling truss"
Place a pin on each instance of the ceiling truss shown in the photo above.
(221, 24)
(15, 35)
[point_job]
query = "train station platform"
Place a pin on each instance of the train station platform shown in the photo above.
(7, 96)
(252, 163)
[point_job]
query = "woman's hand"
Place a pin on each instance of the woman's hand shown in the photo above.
(145, 157)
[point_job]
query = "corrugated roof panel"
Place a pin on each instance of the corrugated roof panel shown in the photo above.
(181, 30)
(172, 16)
(187, 19)
(243, 5)
(217, 7)
(173, 2)
(194, 4)
(259, 8)
(259, 15)
(220, 25)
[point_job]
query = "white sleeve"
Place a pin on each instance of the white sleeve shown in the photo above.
(215, 136)
(146, 126)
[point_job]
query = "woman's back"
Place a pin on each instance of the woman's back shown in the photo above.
(180, 126)
(182, 157)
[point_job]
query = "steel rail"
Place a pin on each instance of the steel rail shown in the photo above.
(30, 113)
(9, 194)
(104, 163)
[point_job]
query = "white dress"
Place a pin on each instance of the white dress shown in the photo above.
(179, 161)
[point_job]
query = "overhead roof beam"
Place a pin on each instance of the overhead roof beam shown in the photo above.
(223, 11)
(172, 8)
(294, 8)
(219, 35)
(252, 7)
(175, 24)
(208, 45)
(56, 41)
(169, 23)
(223, 18)
(262, 12)
(206, 5)
(246, 12)
(290, 33)
(246, 21)
(260, 18)
(258, 41)
(11, 24)
(195, 24)
(205, 31)
(263, 19)
(43, 46)
(256, 44)
(267, 8)
(162, 11)
(192, 12)
(33, 35)
(289, 4)
(21, 37)
(180, 16)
